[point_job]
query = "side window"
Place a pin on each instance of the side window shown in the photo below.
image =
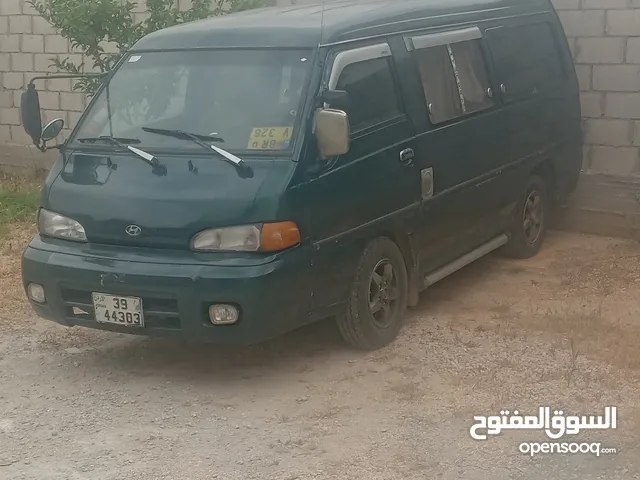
(526, 59)
(455, 79)
(439, 83)
(372, 93)
(473, 76)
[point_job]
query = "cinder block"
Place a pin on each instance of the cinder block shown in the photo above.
(33, 43)
(21, 62)
(27, 9)
(5, 133)
(10, 43)
(566, 4)
(5, 62)
(13, 80)
(20, 24)
(622, 105)
(19, 136)
(584, 76)
(586, 158)
(592, 104)
(600, 50)
(616, 133)
(604, 4)
(633, 50)
(615, 160)
(636, 134)
(10, 116)
(42, 27)
(55, 44)
(583, 23)
(43, 61)
(623, 22)
(616, 78)
(4, 24)
(6, 98)
(49, 100)
(10, 7)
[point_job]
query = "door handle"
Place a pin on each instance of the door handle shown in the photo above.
(406, 156)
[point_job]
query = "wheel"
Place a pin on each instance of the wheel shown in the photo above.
(378, 299)
(530, 224)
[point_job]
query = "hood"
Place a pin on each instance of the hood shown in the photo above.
(119, 200)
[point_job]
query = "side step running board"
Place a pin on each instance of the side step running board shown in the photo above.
(465, 260)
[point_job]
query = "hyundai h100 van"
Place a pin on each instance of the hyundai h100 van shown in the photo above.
(236, 178)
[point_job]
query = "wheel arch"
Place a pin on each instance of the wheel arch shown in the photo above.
(546, 169)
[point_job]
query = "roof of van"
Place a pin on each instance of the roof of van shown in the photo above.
(307, 26)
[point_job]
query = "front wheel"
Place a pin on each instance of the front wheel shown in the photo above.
(378, 299)
(530, 224)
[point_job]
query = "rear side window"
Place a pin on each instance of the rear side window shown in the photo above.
(439, 83)
(372, 93)
(526, 59)
(472, 75)
(455, 79)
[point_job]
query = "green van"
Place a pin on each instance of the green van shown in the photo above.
(239, 177)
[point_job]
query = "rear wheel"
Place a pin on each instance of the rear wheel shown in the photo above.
(378, 300)
(530, 224)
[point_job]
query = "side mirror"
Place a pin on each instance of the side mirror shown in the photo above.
(30, 112)
(52, 129)
(332, 132)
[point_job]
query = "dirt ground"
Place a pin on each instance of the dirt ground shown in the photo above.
(561, 330)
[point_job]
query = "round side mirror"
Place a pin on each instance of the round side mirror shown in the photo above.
(52, 129)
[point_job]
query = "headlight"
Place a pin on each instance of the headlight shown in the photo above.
(265, 237)
(58, 226)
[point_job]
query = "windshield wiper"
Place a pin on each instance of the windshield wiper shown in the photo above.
(152, 160)
(202, 141)
(182, 134)
(104, 137)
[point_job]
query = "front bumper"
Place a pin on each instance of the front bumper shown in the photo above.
(177, 288)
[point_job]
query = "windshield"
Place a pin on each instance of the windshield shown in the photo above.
(247, 98)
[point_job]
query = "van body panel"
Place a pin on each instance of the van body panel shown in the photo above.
(480, 163)
(368, 192)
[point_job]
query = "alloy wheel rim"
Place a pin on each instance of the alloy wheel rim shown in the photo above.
(533, 217)
(383, 293)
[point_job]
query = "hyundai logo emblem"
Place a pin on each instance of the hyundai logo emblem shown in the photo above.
(133, 230)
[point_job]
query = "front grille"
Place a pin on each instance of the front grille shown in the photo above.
(158, 312)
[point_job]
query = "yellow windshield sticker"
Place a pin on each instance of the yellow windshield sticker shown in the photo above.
(270, 138)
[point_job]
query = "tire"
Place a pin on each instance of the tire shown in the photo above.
(525, 242)
(378, 300)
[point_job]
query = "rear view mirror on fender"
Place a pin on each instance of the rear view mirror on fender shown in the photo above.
(30, 112)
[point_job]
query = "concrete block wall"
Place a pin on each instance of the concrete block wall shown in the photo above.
(604, 36)
(27, 45)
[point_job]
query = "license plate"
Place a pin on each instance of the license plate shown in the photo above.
(125, 311)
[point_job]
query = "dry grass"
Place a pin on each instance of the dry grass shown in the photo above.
(19, 198)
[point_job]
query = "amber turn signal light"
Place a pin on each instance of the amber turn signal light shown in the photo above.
(275, 237)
